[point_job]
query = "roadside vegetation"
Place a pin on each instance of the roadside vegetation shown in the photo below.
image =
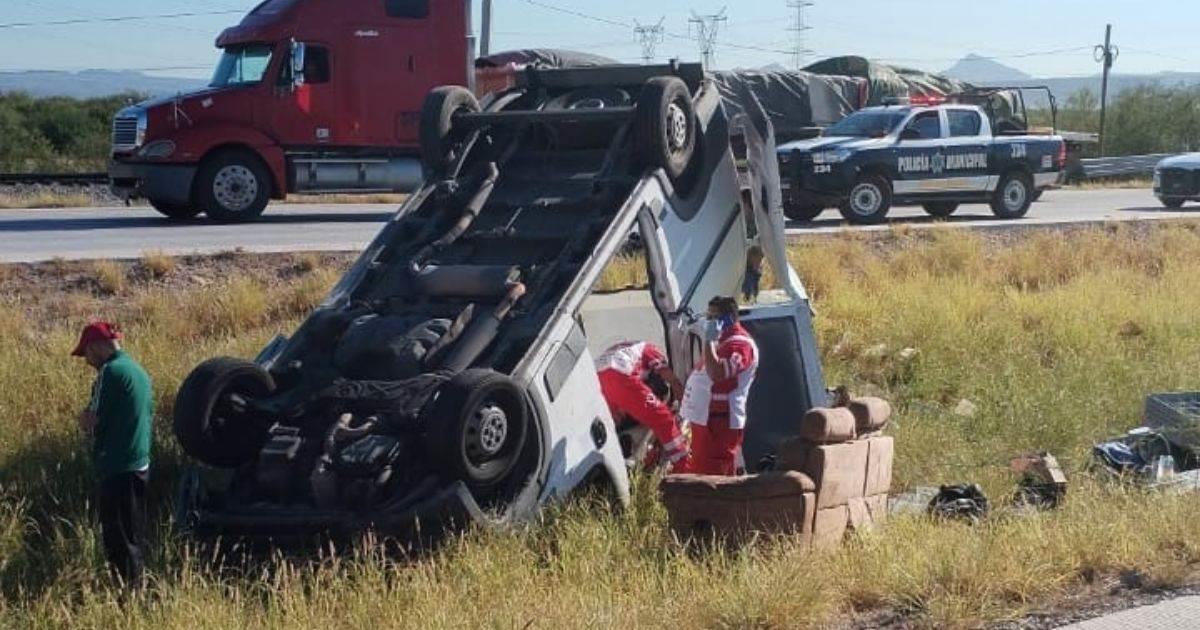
(1053, 339)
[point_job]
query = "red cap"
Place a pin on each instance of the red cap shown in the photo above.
(93, 332)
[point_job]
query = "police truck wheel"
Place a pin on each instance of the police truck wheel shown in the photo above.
(476, 429)
(174, 211)
(940, 209)
(1013, 196)
(1172, 202)
(869, 200)
(232, 187)
(665, 127)
(213, 422)
(799, 212)
(440, 142)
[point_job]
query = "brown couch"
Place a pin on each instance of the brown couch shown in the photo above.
(833, 476)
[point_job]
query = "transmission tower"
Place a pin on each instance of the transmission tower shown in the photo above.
(649, 37)
(799, 28)
(705, 28)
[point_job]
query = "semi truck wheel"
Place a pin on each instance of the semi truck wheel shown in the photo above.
(799, 212)
(232, 186)
(477, 428)
(869, 200)
(211, 420)
(665, 129)
(1013, 196)
(439, 142)
(940, 209)
(174, 211)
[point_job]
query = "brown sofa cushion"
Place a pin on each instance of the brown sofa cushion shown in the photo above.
(838, 470)
(829, 526)
(828, 426)
(880, 456)
(870, 413)
(736, 508)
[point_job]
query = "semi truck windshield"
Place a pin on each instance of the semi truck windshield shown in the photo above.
(242, 65)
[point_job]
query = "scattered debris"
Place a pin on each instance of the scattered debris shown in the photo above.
(960, 501)
(966, 409)
(1043, 484)
(908, 354)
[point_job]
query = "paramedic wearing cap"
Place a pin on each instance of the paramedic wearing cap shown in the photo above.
(730, 363)
(118, 418)
(623, 370)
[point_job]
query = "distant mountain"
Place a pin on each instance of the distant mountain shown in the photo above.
(983, 71)
(92, 83)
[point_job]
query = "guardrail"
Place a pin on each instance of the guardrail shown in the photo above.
(1121, 166)
(62, 179)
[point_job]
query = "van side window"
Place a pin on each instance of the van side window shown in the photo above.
(410, 9)
(963, 122)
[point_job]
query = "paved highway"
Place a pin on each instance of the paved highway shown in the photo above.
(76, 233)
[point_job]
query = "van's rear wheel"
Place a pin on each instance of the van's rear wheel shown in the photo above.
(1013, 196)
(869, 200)
(440, 143)
(174, 211)
(477, 427)
(232, 187)
(665, 129)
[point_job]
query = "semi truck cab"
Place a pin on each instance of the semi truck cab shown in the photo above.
(307, 96)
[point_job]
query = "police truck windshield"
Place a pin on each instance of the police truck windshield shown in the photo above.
(868, 124)
(242, 65)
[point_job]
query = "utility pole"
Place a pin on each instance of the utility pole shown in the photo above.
(1106, 55)
(705, 28)
(485, 46)
(649, 37)
(800, 52)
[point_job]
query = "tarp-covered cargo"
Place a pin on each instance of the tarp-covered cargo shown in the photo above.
(887, 81)
(544, 57)
(794, 101)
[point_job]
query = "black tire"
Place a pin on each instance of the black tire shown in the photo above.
(869, 200)
(174, 211)
(940, 209)
(1173, 203)
(210, 425)
(439, 142)
(467, 440)
(232, 186)
(798, 212)
(665, 126)
(1013, 196)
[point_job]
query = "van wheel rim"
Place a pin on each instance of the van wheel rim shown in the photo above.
(235, 187)
(1014, 195)
(487, 432)
(865, 200)
(677, 127)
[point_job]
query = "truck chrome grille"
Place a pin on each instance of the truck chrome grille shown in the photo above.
(124, 134)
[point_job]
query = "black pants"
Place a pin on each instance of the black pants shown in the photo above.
(122, 504)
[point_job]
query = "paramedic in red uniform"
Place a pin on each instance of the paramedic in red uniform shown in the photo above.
(730, 361)
(624, 370)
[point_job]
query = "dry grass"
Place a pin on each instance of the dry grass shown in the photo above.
(1055, 339)
(307, 262)
(109, 276)
(158, 264)
(45, 199)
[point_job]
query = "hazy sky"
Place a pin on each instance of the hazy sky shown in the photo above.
(1042, 37)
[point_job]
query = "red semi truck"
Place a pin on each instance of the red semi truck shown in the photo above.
(308, 96)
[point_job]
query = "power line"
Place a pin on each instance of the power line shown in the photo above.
(649, 37)
(124, 18)
(799, 28)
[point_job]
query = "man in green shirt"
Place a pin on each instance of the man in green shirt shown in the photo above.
(118, 418)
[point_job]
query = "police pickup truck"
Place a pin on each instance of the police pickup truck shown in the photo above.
(935, 156)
